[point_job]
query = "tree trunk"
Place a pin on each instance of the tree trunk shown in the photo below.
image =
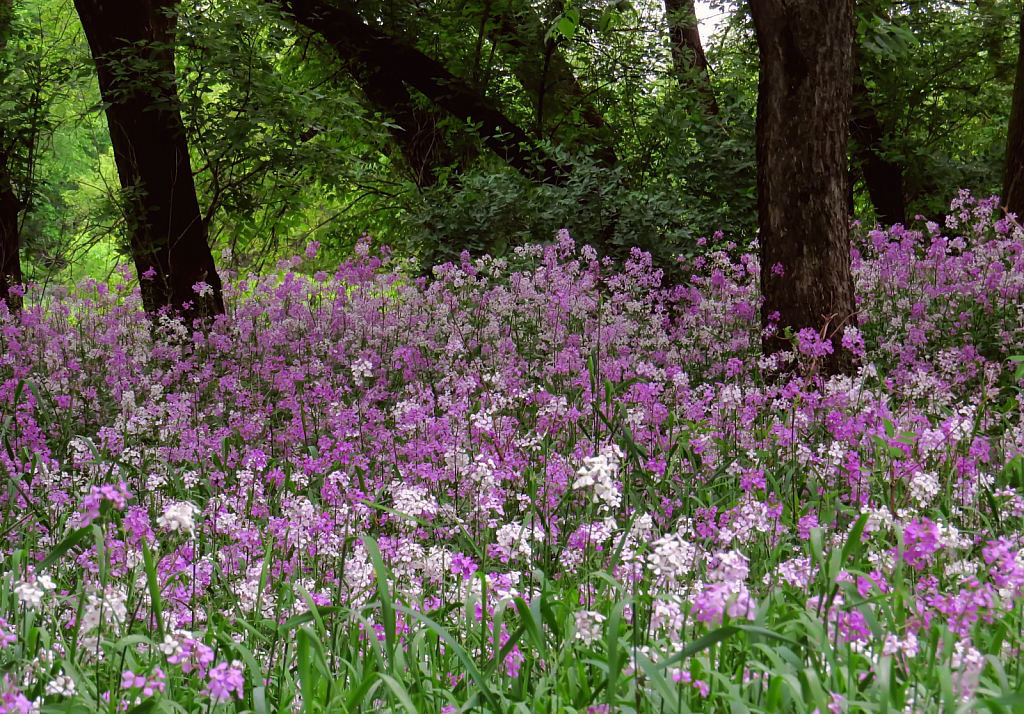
(884, 179)
(10, 259)
(132, 45)
(688, 59)
(803, 110)
(10, 206)
(1013, 176)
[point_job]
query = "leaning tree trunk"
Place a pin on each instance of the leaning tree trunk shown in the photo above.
(1013, 176)
(133, 46)
(803, 109)
(689, 62)
(552, 86)
(342, 27)
(416, 131)
(883, 178)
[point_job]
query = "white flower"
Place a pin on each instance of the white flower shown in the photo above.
(733, 567)
(170, 646)
(362, 369)
(673, 555)
(514, 538)
(31, 591)
(798, 572)
(924, 487)
(61, 685)
(600, 471)
(179, 516)
(414, 501)
(109, 609)
(589, 626)
(878, 519)
(894, 645)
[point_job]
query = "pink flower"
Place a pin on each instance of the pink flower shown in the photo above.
(810, 343)
(116, 496)
(223, 680)
(193, 656)
(148, 685)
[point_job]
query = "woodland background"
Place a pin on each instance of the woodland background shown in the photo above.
(632, 129)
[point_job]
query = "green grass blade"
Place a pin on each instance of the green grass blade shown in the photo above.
(386, 605)
(400, 692)
(461, 653)
(63, 547)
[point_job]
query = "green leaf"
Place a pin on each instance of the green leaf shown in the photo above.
(612, 647)
(63, 547)
(401, 692)
(766, 633)
(386, 606)
(143, 708)
(467, 661)
(700, 644)
(154, 587)
(307, 675)
(566, 27)
(670, 695)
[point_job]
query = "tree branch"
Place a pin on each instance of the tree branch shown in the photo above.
(347, 32)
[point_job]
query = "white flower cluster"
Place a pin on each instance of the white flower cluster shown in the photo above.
(108, 609)
(879, 519)
(514, 538)
(893, 645)
(798, 572)
(33, 589)
(745, 522)
(924, 487)
(589, 626)
(730, 567)
(961, 569)
(600, 472)
(668, 614)
(179, 516)
(436, 563)
(951, 537)
(968, 663)
(960, 425)
(672, 556)
(362, 369)
(61, 685)
(414, 501)
(171, 645)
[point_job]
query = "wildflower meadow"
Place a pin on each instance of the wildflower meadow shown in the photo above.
(543, 483)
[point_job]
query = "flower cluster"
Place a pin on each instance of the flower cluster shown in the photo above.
(458, 449)
(117, 496)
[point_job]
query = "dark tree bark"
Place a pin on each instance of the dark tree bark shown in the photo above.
(10, 206)
(345, 30)
(803, 109)
(1013, 176)
(132, 45)
(10, 259)
(416, 130)
(883, 178)
(688, 59)
(422, 142)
